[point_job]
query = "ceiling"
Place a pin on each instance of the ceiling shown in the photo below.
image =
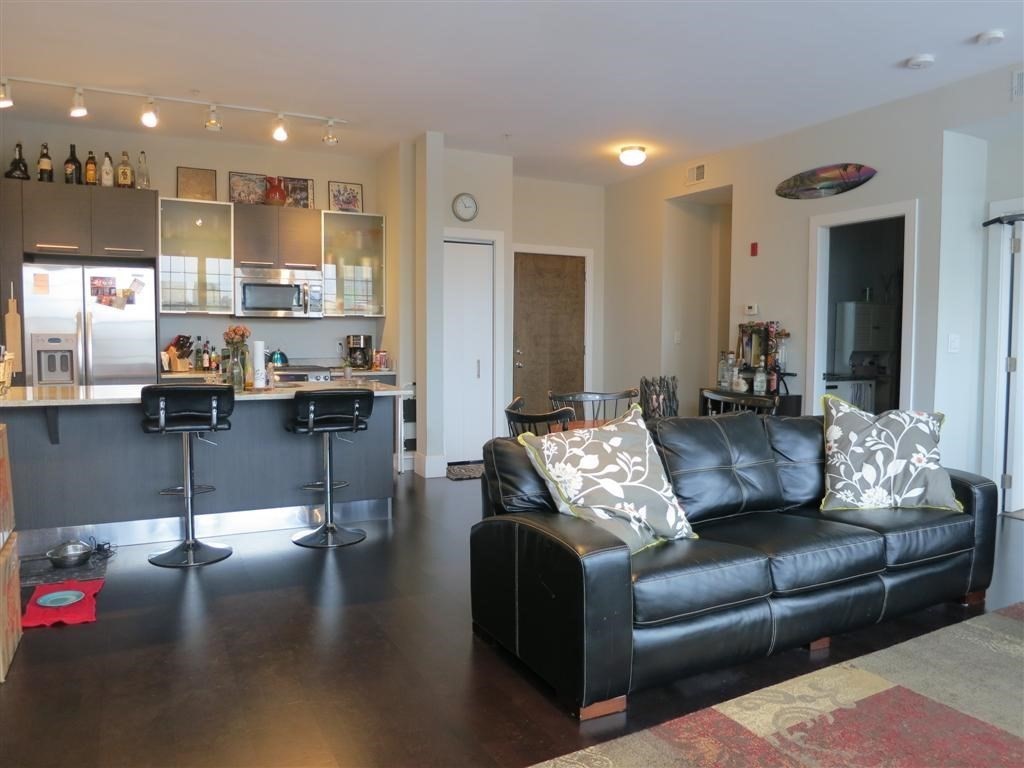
(559, 86)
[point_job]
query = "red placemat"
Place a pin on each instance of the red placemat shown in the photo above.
(77, 613)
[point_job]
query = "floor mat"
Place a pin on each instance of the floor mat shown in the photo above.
(465, 471)
(37, 569)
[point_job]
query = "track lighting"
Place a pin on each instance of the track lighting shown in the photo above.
(632, 155)
(280, 132)
(213, 122)
(150, 114)
(6, 100)
(78, 104)
(329, 138)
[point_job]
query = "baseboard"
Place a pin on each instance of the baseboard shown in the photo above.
(430, 466)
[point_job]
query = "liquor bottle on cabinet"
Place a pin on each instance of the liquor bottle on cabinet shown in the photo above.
(125, 176)
(107, 171)
(44, 166)
(142, 175)
(19, 168)
(72, 168)
(91, 177)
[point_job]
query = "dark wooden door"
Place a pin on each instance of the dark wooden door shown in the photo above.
(56, 219)
(300, 244)
(124, 222)
(548, 323)
(256, 232)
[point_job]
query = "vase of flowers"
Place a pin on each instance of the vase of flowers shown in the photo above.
(235, 337)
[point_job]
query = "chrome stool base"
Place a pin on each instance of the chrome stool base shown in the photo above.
(189, 554)
(328, 536)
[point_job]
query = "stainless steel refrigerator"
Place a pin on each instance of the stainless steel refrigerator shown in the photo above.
(88, 325)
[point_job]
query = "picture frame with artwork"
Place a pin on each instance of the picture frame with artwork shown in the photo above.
(197, 183)
(299, 192)
(248, 188)
(345, 196)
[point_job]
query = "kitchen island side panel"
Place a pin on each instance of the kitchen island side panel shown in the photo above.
(106, 470)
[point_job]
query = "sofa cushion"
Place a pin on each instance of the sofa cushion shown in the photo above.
(612, 476)
(692, 576)
(719, 465)
(911, 535)
(889, 460)
(513, 485)
(799, 450)
(804, 553)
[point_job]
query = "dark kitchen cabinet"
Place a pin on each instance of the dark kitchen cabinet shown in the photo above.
(256, 232)
(300, 245)
(56, 218)
(124, 222)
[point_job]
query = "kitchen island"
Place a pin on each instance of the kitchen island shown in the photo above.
(81, 463)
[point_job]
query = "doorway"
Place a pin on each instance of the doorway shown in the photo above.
(548, 326)
(865, 303)
(468, 349)
(819, 327)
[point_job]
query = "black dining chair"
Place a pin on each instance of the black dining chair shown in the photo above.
(714, 402)
(593, 407)
(520, 421)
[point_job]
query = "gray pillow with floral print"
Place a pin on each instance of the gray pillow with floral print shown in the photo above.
(612, 476)
(889, 460)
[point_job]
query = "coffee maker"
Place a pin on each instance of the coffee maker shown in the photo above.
(360, 351)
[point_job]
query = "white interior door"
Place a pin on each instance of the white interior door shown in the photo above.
(1013, 496)
(468, 349)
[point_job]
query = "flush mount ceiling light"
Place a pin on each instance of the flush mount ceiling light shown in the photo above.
(329, 138)
(150, 114)
(213, 122)
(78, 104)
(633, 155)
(991, 37)
(921, 61)
(280, 132)
(6, 99)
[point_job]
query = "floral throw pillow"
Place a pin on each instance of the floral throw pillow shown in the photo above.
(612, 476)
(889, 460)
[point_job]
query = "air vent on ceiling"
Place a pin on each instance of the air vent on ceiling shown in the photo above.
(1017, 85)
(695, 174)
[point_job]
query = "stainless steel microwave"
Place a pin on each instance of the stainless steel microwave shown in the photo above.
(279, 293)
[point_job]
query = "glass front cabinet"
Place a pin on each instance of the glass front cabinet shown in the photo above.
(353, 264)
(195, 256)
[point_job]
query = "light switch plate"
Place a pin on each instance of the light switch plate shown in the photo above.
(750, 310)
(953, 344)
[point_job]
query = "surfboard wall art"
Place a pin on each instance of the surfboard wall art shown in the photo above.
(825, 181)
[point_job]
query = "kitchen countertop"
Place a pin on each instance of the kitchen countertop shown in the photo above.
(130, 394)
(201, 374)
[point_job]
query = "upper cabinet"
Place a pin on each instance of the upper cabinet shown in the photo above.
(353, 248)
(195, 256)
(74, 220)
(273, 237)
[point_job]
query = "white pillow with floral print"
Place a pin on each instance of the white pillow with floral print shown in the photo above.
(611, 475)
(889, 460)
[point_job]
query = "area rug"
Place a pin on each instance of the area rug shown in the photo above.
(37, 569)
(465, 471)
(82, 612)
(954, 697)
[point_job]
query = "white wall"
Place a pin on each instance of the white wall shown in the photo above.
(1006, 166)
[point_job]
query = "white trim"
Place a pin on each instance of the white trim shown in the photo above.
(499, 370)
(430, 466)
(817, 296)
(588, 298)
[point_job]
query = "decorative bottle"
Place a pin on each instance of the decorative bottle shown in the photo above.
(125, 176)
(72, 168)
(142, 176)
(275, 191)
(91, 177)
(250, 373)
(19, 168)
(760, 379)
(723, 371)
(235, 372)
(107, 171)
(45, 163)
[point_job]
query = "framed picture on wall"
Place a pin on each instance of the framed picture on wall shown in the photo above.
(197, 183)
(345, 196)
(247, 187)
(299, 191)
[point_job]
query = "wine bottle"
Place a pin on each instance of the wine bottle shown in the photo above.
(91, 176)
(45, 163)
(206, 355)
(19, 168)
(107, 171)
(199, 354)
(142, 176)
(125, 173)
(72, 168)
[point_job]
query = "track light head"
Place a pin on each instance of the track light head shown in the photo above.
(280, 131)
(6, 99)
(329, 138)
(78, 104)
(150, 114)
(213, 122)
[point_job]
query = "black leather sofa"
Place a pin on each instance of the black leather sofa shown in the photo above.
(769, 571)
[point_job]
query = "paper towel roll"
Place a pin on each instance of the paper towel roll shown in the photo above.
(259, 365)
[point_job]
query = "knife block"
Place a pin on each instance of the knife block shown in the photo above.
(179, 365)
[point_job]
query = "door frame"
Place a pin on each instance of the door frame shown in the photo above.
(588, 297)
(501, 327)
(817, 295)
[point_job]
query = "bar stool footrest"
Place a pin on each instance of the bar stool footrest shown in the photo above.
(319, 485)
(189, 554)
(328, 536)
(179, 490)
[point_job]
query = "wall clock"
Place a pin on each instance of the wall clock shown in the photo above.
(464, 207)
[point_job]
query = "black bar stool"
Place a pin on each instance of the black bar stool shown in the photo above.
(327, 412)
(188, 410)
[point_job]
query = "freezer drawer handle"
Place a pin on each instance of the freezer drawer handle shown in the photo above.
(123, 250)
(57, 247)
(288, 264)
(261, 263)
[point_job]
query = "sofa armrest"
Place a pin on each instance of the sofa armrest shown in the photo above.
(557, 592)
(980, 498)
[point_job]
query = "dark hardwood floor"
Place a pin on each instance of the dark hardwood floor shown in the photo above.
(363, 656)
